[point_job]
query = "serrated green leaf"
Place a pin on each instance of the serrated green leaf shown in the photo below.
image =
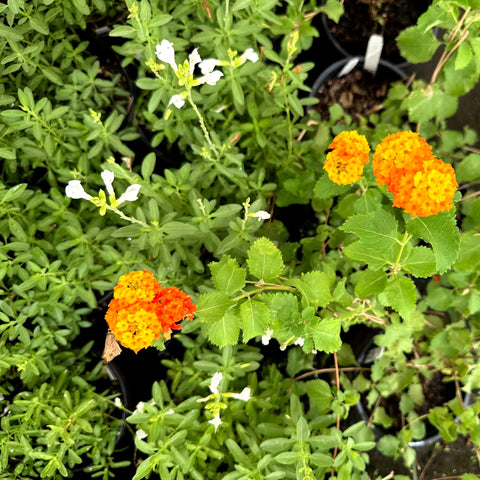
(430, 102)
(326, 335)
(375, 230)
(441, 232)
(401, 294)
(265, 260)
(227, 276)
(212, 306)
(421, 263)
(469, 252)
(325, 188)
(371, 256)
(371, 282)
(226, 330)
(314, 287)
(255, 318)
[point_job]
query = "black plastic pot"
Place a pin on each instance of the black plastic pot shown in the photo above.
(386, 72)
(358, 47)
(365, 358)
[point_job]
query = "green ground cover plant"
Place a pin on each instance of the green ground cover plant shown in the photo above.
(269, 249)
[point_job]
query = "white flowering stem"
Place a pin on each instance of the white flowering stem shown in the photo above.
(202, 124)
(126, 217)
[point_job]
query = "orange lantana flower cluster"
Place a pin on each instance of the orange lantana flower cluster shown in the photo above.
(142, 310)
(344, 164)
(421, 183)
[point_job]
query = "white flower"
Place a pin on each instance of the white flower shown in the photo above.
(166, 53)
(267, 337)
(139, 408)
(141, 434)
(118, 403)
(177, 100)
(216, 421)
(243, 395)
(261, 215)
(299, 341)
(130, 194)
(211, 78)
(171, 411)
(75, 190)
(249, 54)
(107, 177)
(193, 59)
(215, 382)
(208, 65)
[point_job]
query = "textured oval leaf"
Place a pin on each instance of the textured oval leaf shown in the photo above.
(265, 260)
(255, 319)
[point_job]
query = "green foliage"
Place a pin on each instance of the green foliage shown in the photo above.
(295, 273)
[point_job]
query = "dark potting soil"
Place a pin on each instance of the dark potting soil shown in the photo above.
(359, 93)
(362, 18)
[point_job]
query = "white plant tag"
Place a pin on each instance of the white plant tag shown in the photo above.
(373, 53)
(348, 67)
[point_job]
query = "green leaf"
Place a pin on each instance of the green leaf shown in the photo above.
(441, 232)
(463, 57)
(400, 294)
(375, 230)
(227, 276)
(326, 335)
(148, 165)
(13, 193)
(212, 306)
(255, 318)
(416, 45)
(265, 260)
(421, 262)
(469, 252)
(371, 282)
(468, 169)
(325, 188)
(333, 9)
(287, 458)
(430, 102)
(314, 287)
(374, 258)
(226, 330)
(319, 392)
(321, 460)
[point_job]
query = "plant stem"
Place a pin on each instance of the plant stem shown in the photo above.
(202, 124)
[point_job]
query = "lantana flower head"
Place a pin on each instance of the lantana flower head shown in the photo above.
(421, 184)
(399, 153)
(350, 152)
(142, 310)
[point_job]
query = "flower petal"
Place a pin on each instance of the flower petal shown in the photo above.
(130, 194)
(75, 190)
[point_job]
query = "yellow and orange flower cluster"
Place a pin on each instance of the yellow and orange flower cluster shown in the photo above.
(421, 183)
(142, 310)
(344, 164)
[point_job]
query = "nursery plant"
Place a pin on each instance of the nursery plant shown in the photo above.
(257, 247)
